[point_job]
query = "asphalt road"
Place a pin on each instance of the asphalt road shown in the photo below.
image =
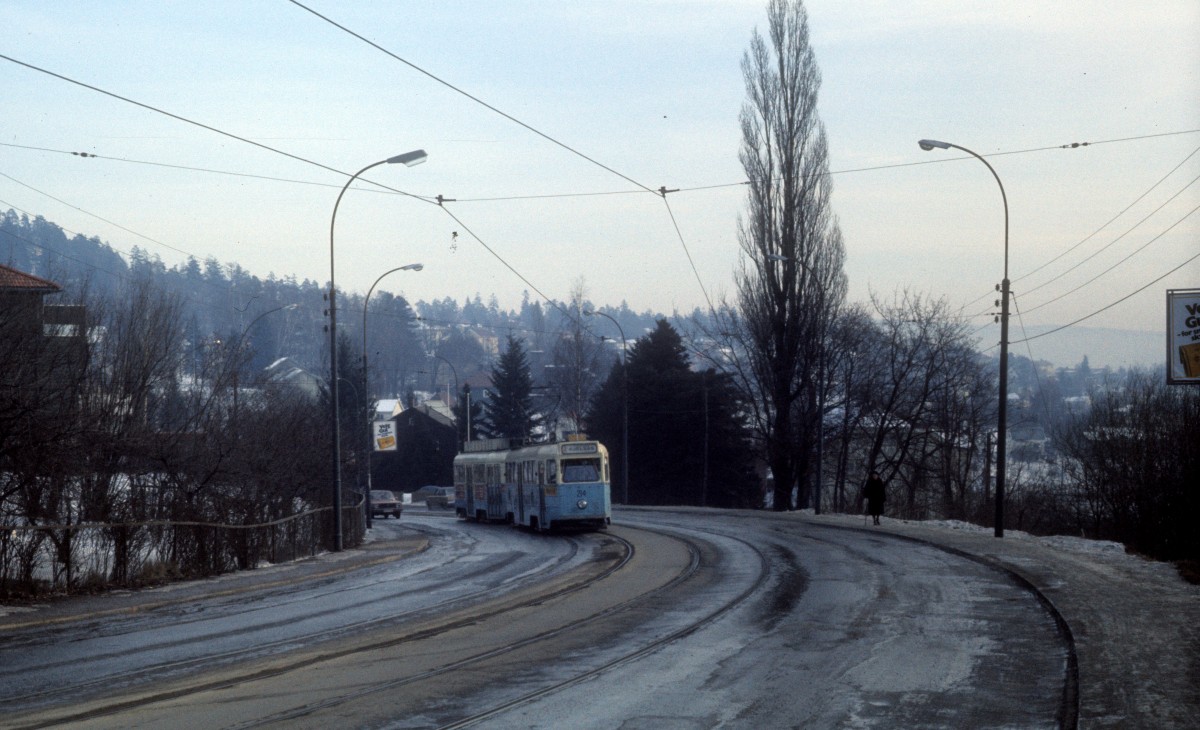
(674, 618)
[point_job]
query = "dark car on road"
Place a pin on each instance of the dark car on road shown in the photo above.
(384, 503)
(443, 498)
(423, 493)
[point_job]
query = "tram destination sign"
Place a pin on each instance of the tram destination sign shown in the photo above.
(578, 448)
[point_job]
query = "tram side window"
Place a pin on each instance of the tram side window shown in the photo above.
(581, 470)
(551, 471)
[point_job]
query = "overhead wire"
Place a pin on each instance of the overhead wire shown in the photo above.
(1110, 305)
(661, 192)
(97, 217)
(473, 98)
(1113, 242)
(55, 251)
(1075, 145)
(189, 168)
(1122, 261)
(1110, 221)
(195, 123)
(271, 149)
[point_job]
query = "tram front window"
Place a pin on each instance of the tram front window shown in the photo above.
(581, 470)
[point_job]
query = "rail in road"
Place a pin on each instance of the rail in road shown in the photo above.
(506, 626)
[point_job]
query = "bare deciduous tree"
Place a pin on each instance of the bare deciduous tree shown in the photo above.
(577, 365)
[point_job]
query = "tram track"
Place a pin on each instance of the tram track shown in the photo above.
(672, 614)
(699, 557)
(718, 612)
(352, 634)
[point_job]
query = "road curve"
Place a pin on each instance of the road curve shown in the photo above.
(672, 618)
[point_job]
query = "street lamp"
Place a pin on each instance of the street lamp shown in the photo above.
(1002, 425)
(451, 366)
(624, 407)
(238, 350)
(415, 157)
(366, 386)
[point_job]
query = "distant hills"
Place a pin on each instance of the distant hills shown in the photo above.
(1103, 347)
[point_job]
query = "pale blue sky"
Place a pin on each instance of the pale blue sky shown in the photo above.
(649, 89)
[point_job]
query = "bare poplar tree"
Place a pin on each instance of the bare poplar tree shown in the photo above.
(791, 283)
(577, 359)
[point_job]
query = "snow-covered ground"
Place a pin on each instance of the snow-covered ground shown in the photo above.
(1135, 622)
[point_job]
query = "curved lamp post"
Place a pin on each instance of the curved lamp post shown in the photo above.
(408, 158)
(366, 385)
(238, 350)
(1002, 424)
(451, 366)
(624, 406)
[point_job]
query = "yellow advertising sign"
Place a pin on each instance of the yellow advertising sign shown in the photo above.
(385, 435)
(1183, 336)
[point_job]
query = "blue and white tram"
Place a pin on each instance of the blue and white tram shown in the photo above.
(542, 486)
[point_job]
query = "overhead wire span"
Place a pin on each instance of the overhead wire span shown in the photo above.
(500, 258)
(1108, 306)
(177, 117)
(97, 217)
(1114, 266)
(209, 170)
(1029, 349)
(470, 96)
(1113, 242)
(44, 247)
(686, 251)
(195, 123)
(1111, 220)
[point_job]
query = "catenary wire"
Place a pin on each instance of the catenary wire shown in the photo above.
(473, 98)
(683, 243)
(97, 217)
(1110, 305)
(1109, 222)
(296, 157)
(1122, 261)
(272, 149)
(1113, 242)
(201, 125)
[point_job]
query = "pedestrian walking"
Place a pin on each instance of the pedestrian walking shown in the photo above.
(874, 493)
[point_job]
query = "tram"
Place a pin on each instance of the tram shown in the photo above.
(556, 485)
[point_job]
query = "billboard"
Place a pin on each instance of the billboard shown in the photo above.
(385, 435)
(1183, 336)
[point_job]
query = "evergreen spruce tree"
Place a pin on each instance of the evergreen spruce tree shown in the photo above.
(688, 441)
(508, 412)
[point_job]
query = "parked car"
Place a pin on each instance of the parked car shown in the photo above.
(443, 498)
(385, 503)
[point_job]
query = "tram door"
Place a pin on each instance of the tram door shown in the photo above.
(520, 492)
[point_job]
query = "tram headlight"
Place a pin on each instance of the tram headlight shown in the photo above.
(581, 504)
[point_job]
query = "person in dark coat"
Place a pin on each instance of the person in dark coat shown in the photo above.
(874, 493)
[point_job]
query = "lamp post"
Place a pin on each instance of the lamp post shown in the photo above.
(408, 158)
(238, 350)
(366, 385)
(624, 407)
(1002, 420)
(451, 366)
